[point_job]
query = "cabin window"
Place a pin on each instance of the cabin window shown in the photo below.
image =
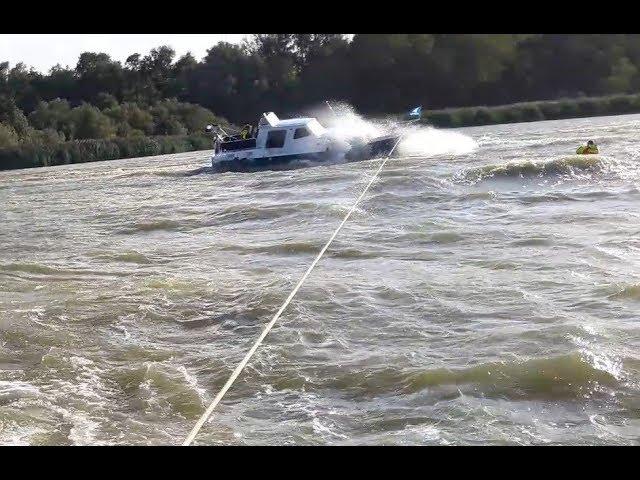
(301, 133)
(275, 138)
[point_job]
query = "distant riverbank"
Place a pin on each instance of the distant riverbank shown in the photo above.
(28, 155)
(93, 150)
(534, 111)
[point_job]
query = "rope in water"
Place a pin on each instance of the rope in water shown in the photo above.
(247, 357)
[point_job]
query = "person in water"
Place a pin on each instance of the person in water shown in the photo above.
(591, 147)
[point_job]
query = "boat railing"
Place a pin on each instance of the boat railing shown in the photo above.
(233, 145)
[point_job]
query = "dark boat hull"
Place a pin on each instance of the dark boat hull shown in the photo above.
(281, 162)
(376, 148)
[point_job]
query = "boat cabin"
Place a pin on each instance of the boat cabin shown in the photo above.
(295, 135)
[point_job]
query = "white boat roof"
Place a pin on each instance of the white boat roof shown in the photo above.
(309, 122)
(290, 122)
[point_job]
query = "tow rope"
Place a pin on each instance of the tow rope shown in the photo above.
(267, 328)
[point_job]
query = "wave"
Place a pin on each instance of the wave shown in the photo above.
(532, 242)
(569, 375)
(528, 168)
(162, 386)
(631, 292)
(35, 271)
(227, 216)
(245, 213)
(303, 248)
(566, 376)
(10, 391)
(128, 257)
(150, 226)
(286, 248)
(164, 173)
(445, 237)
(32, 268)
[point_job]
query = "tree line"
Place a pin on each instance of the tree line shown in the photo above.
(159, 94)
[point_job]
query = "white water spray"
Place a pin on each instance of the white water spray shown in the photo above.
(345, 124)
(427, 141)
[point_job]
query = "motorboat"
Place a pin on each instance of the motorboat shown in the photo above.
(275, 143)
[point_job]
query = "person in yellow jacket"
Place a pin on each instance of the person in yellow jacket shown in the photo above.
(591, 148)
(246, 132)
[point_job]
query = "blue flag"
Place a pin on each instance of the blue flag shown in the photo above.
(416, 112)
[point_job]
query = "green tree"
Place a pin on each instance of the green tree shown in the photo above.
(55, 115)
(8, 136)
(22, 87)
(91, 122)
(59, 83)
(105, 100)
(98, 73)
(12, 116)
(622, 76)
(156, 71)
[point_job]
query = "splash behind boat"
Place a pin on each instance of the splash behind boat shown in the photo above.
(276, 143)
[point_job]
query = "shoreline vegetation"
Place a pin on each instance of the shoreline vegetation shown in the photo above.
(55, 133)
(103, 108)
(51, 153)
(30, 155)
(561, 109)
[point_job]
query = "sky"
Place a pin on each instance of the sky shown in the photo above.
(43, 51)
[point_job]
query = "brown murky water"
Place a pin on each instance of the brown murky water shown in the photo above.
(488, 296)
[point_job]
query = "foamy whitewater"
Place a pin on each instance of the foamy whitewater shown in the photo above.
(486, 291)
(345, 124)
